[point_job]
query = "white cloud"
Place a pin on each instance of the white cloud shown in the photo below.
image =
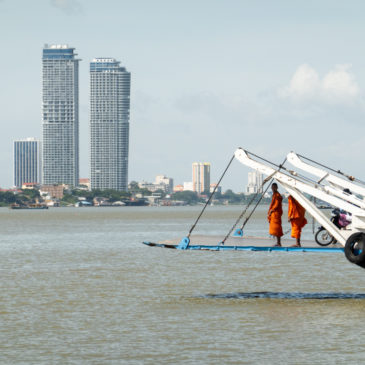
(68, 6)
(340, 83)
(305, 82)
(337, 85)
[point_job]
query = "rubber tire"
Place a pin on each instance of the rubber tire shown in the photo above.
(358, 259)
(320, 243)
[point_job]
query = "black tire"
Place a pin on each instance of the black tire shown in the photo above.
(323, 238)
(355, 249)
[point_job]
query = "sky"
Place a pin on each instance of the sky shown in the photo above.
(208, 76)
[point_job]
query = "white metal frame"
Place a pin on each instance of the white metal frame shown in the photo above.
(332, 194)
(337, 184)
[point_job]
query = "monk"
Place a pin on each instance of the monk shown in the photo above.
(274, 214)
(296, 216)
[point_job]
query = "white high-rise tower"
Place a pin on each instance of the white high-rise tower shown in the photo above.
(254, 182)
(60, 115)
(109, 124)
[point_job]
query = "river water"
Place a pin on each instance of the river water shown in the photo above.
(78, 287)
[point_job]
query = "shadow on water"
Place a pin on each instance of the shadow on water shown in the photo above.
(284, 295)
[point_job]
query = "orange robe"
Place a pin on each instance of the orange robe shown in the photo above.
(296, 214)
(274, 218)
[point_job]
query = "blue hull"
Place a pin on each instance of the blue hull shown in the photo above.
(247, 248)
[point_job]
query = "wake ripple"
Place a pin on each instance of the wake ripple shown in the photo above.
(285, 295)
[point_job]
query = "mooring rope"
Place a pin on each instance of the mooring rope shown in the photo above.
(243, 213)
(351, 178)
(251, 200)
(291, 172)
(210, 197)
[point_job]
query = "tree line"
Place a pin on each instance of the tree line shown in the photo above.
(29, 196)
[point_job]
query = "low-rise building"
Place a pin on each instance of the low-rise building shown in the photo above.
(53, 191)
(154, 199)
(84, 182)
(100, 201)
(153, 187)
(178, 188)
(30, 185)
(167, 181)
(213, 186)
(14, 191)
(188, 186)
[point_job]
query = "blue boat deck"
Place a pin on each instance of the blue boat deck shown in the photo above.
(263, 244)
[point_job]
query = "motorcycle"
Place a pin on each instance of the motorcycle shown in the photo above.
(340, 219)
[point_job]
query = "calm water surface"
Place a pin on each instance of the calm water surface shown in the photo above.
(78, 287)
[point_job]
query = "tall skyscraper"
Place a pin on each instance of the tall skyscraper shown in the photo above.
(201, 177)
(254, 182)
(27, 161)
(109, 124)
(60, 115)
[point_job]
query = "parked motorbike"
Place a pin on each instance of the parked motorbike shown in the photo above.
(340, 219)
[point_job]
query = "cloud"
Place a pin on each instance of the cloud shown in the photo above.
(210, 124)
(337, 86)
(340, 83)
(67, 6)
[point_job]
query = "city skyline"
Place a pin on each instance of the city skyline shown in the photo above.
(306, 96)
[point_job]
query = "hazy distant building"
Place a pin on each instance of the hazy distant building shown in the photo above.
(27, 161)
(201, 177)
(85, 182)
(30, 186)
(164, 180)
(254, 182)
(178, 188)
(162, 183)
(60, 115)
(188, 186)
(109, 124)
(52, 191)
(218, 189)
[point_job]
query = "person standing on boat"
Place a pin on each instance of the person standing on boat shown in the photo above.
(296, 216)
(274, 214)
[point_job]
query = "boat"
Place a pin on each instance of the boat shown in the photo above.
(83, 203)
(330, 186)
(237, 243)
(28, 206)
(135, 202)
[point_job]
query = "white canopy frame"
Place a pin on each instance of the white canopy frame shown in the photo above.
(297, 186)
